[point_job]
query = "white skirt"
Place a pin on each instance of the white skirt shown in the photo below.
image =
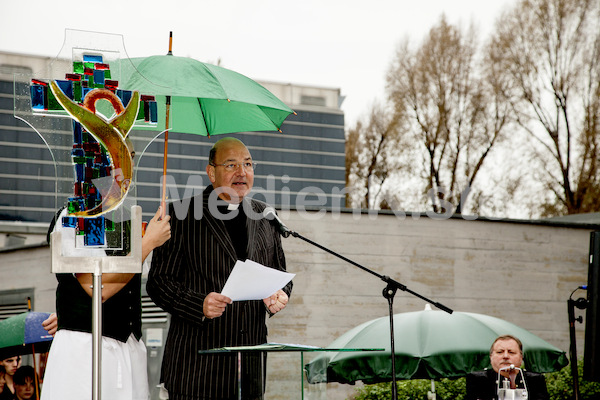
(68, 373)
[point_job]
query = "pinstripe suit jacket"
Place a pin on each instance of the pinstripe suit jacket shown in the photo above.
(197, 260)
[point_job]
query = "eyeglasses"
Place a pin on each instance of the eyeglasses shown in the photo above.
(230, 167)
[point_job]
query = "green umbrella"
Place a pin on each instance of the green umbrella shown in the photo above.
(429, 345)
(200, 98)
(205, 99)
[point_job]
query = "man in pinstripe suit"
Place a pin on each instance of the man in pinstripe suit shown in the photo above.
(189, 271)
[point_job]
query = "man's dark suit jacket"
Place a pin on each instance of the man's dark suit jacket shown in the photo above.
(197, 260)
(482, 385)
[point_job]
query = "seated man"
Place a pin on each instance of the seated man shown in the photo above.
(506, 350)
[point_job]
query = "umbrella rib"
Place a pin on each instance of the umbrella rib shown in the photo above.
(217, 80)
(203, 116)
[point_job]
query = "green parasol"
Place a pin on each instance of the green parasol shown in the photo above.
(429, 345)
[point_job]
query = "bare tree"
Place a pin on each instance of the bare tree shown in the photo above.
(453, 110)
(547, 54)
(372, 156)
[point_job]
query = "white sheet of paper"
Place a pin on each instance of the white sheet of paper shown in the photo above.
(250, 280)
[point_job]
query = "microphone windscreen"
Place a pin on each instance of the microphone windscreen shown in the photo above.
(269, 213)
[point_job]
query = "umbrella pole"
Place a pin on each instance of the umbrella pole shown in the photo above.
(35, 372)
(163, 200)
(389, 292)
(431, 395)
(166, 146)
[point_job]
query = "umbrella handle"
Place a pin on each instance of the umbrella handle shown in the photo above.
(35, 372)
(166, 146)
(163, 200)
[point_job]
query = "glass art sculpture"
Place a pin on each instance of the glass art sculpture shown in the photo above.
(98, 159)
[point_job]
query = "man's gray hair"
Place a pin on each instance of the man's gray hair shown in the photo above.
(507, 337)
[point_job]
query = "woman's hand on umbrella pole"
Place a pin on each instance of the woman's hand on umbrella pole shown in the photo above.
(158, 232)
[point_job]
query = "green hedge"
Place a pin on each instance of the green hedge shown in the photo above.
(560, 387)
(414, 390)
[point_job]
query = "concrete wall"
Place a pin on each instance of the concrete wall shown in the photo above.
(30, 268)
(521, 272)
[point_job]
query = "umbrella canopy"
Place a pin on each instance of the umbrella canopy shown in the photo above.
(20, 332)
(205, 99)
(200, 98)
(428, 345)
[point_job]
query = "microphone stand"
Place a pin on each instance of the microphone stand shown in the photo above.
(388, 292)
(581, 304)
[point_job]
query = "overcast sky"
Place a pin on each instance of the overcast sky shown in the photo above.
(343, 44)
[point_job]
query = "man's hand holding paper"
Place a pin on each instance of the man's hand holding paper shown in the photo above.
(215, 304)
(250, 280)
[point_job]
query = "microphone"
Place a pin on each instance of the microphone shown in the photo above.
(269, 213)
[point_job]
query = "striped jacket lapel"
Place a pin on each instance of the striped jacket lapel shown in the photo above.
(251, 229)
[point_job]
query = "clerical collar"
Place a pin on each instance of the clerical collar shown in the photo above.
(231, 206)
